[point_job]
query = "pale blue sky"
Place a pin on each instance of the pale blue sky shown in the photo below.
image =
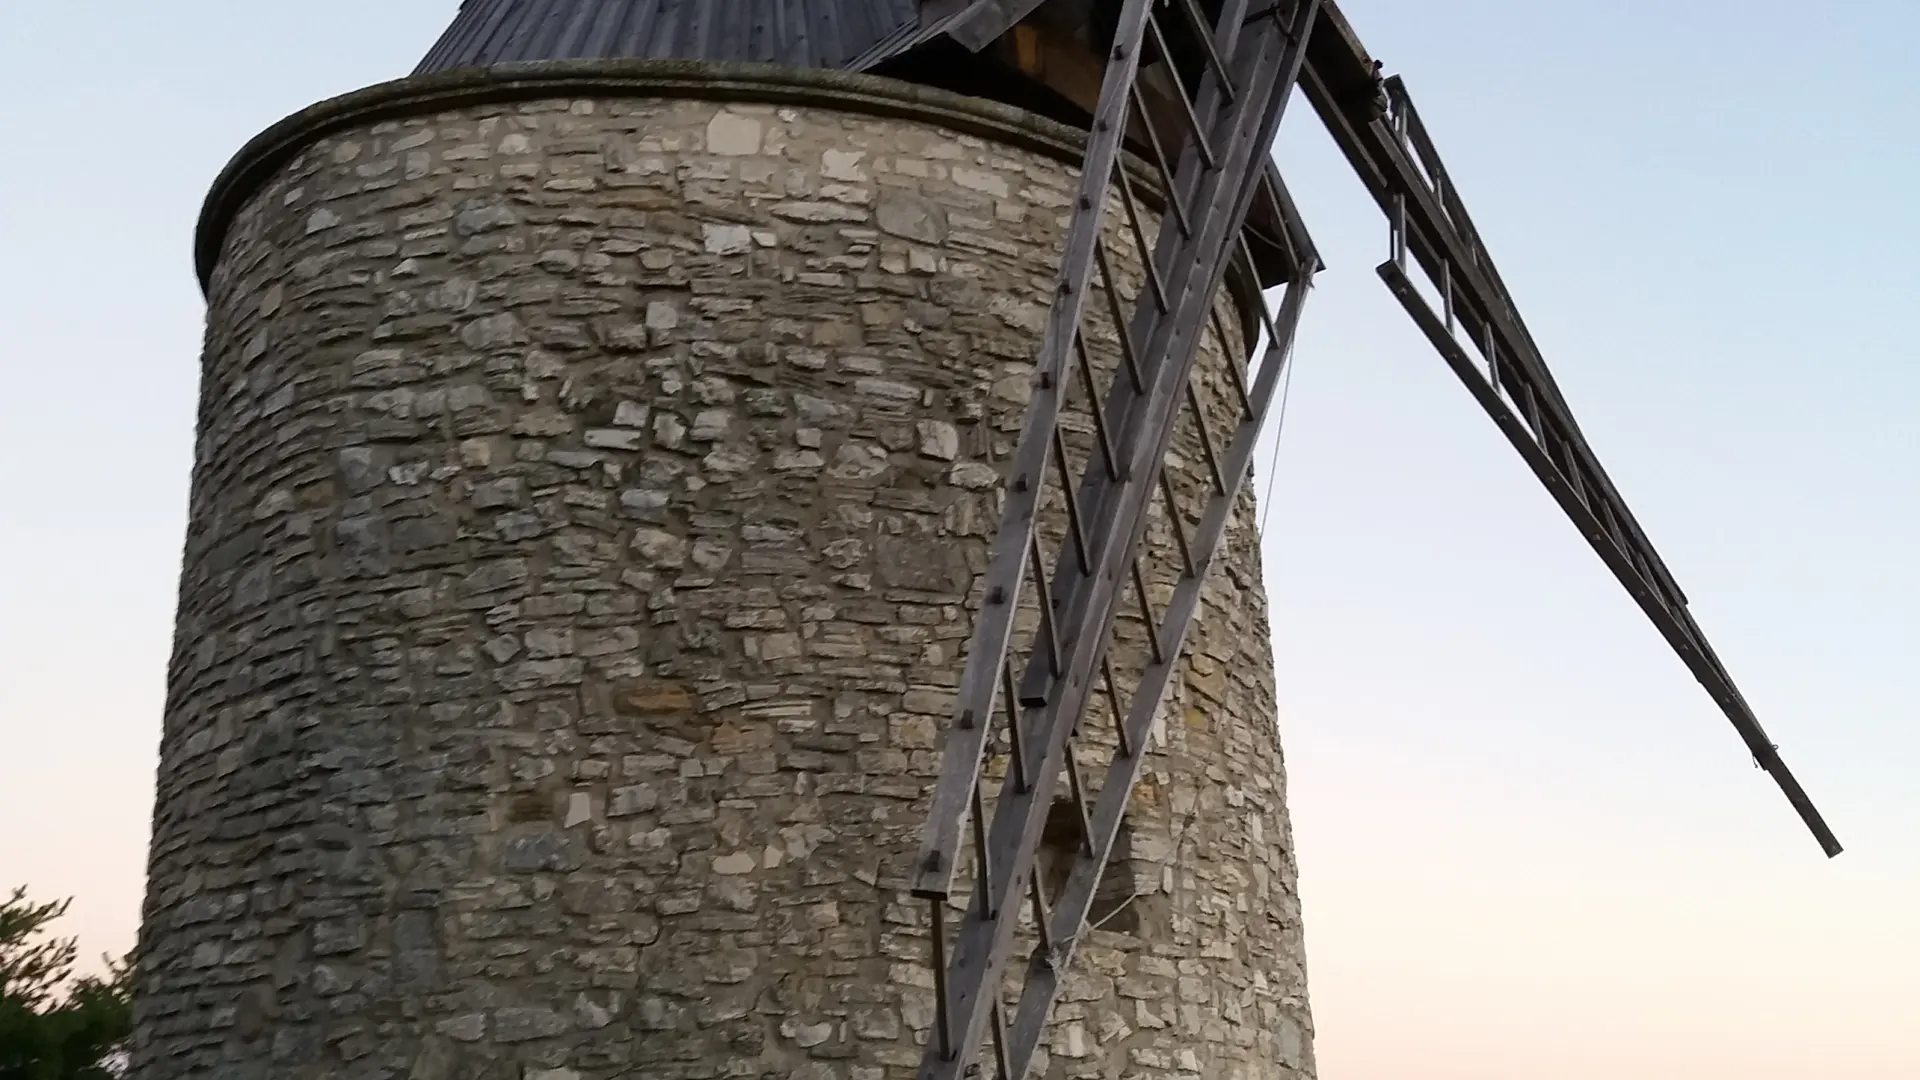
(1530, 845)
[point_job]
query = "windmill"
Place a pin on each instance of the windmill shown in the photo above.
(560, 692)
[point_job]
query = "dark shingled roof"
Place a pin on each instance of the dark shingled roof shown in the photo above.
(802, 33)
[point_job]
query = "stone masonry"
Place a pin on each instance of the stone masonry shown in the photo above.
(589, 498)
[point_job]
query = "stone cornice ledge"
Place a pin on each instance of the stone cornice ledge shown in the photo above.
(770, 84)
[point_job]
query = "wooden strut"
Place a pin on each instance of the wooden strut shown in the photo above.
(1221, 167)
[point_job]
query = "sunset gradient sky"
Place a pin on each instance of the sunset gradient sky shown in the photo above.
(1530, 846)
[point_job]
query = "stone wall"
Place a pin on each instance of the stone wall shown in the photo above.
(587, 506)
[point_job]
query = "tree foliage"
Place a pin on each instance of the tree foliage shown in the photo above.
(52, 1025)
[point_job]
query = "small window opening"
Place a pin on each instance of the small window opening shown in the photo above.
(1062, 843)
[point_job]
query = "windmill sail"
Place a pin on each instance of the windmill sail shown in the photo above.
(1228, 68)
(1026, 703)
(1479, 332)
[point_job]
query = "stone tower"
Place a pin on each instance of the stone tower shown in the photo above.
(597, 448)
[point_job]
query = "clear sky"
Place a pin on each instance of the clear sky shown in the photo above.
(1530, 846)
